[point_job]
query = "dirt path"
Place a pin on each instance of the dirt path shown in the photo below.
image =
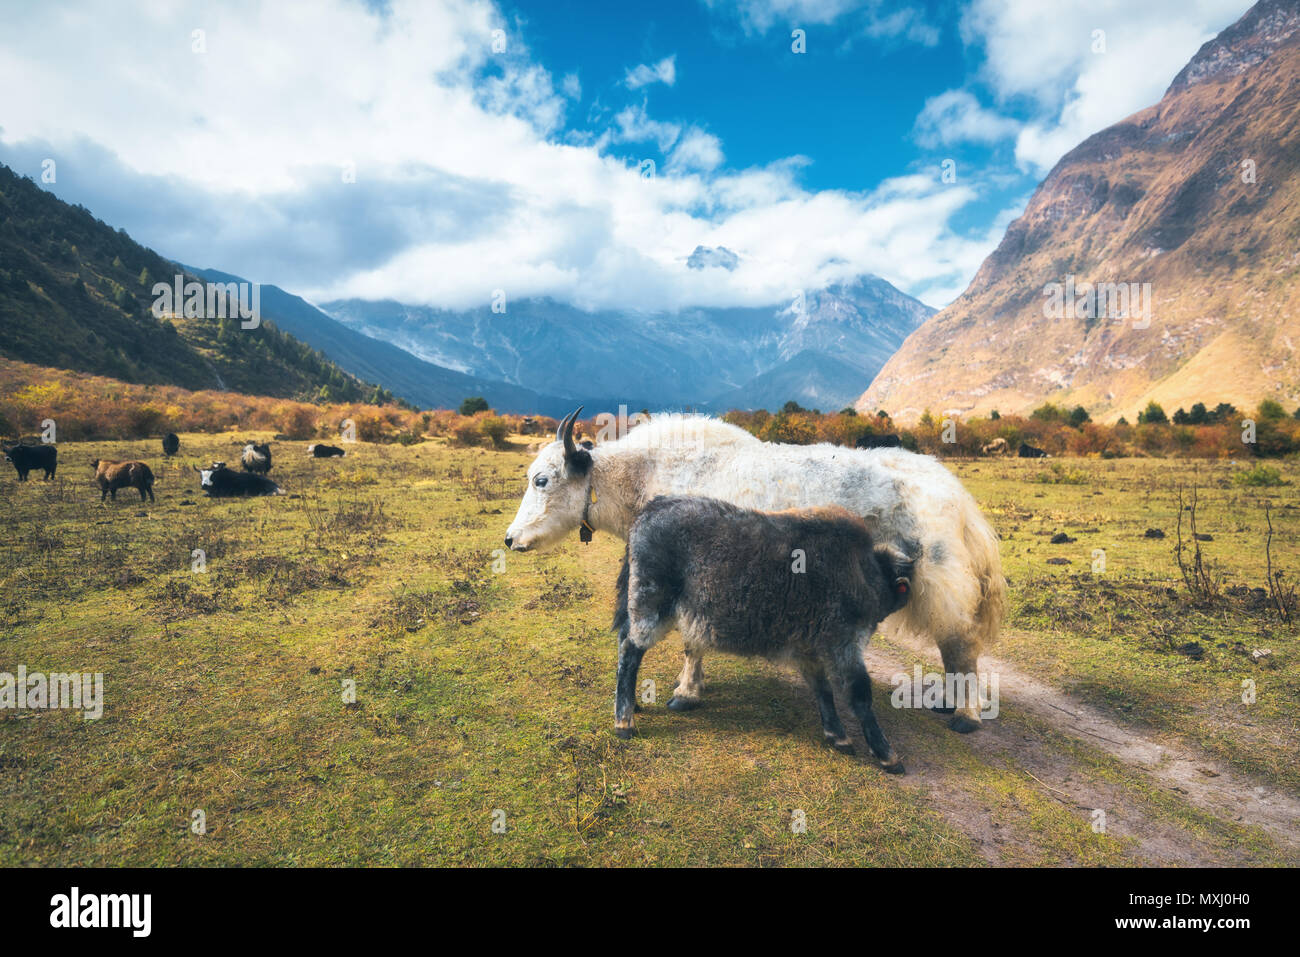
(1054, 740)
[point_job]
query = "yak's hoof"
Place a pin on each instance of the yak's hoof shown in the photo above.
(963, 724)
(843, 747)
(895, 768)
(676, 703)
(625, 733)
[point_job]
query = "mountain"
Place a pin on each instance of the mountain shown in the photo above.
(1195, 200)
(813, 379)
(77, 294)
(421, 383)
(704, 358)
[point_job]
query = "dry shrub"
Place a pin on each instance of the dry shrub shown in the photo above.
(495, 429)
(466, 433)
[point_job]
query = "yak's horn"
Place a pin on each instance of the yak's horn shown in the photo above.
(565, 432)
(562, 427)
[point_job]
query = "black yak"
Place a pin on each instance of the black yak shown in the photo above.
(28, 457)
(872, 441)
(221, 482)
(325, 451)
(808, 585)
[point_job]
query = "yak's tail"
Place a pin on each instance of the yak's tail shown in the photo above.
(959, 590)
(982, 545)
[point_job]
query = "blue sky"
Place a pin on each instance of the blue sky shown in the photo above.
(436, 151)
(849, 104)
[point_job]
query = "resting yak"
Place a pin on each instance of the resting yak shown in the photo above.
(325, 451)
(906, 499)
(221, 482)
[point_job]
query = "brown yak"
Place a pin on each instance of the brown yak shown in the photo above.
(111, 476)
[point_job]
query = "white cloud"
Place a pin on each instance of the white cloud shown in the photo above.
(1044, 54)
(571, 86)
(633, 124)
(907, 24)
(955, 116)
(665, 72)
(761, 15)
(696, 150)
(868, 18)
(232, 159)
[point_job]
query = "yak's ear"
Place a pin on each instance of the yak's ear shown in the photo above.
(898, 570)
(578, 463)
(577, 460)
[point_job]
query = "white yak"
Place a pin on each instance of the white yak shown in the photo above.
(958, 591)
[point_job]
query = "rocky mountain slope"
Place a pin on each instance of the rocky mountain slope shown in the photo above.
(408, 377)
(1196, 201)
(819, 351)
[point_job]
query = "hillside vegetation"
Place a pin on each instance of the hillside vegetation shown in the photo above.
(77, 294)
(85, 406)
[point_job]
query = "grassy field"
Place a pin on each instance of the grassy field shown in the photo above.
(484, 684)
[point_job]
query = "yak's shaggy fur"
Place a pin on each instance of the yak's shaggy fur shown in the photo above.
(111, 476)
(807, 585)
(911, 500)
(256, 458)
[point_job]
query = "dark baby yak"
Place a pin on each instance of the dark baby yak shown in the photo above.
(171, 444)
(807, 585)
(28, 457)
